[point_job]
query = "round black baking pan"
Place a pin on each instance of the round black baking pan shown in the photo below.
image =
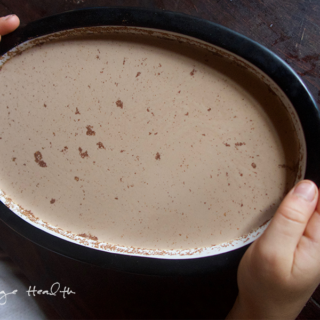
(207, 31)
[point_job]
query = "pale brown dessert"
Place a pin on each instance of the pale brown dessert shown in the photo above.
(143, 142)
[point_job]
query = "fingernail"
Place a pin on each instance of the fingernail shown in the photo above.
(8, 17)
(305, 190)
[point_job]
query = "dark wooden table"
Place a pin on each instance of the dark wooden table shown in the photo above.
(289, 28)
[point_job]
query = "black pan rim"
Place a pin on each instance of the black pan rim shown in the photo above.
(210, 32)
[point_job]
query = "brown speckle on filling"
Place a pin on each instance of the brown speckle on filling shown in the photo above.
(42, 164)
(100, 145)
(157, 157)
(52, 201)
(253, 165)
(83, 154)
(193, 72)
(77, 111)
(38, 159)
(227, 144)
(119, 104)
(138, 74)
(44, 105)
(37, 156)
(122, 151)
(76, 178)
(90, 132)
(209, 109)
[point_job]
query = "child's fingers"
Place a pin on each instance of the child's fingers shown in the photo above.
(312, 231)
(8, 24)
(291, 218)
(307, 256)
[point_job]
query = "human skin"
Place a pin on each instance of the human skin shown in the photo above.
(8, 24)
(280, 271)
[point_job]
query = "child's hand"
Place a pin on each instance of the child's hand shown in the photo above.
(8, 24)
(280, 271)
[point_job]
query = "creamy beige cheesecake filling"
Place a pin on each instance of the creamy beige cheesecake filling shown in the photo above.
(143, 142)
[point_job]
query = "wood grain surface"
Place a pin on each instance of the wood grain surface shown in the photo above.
(291, 29)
